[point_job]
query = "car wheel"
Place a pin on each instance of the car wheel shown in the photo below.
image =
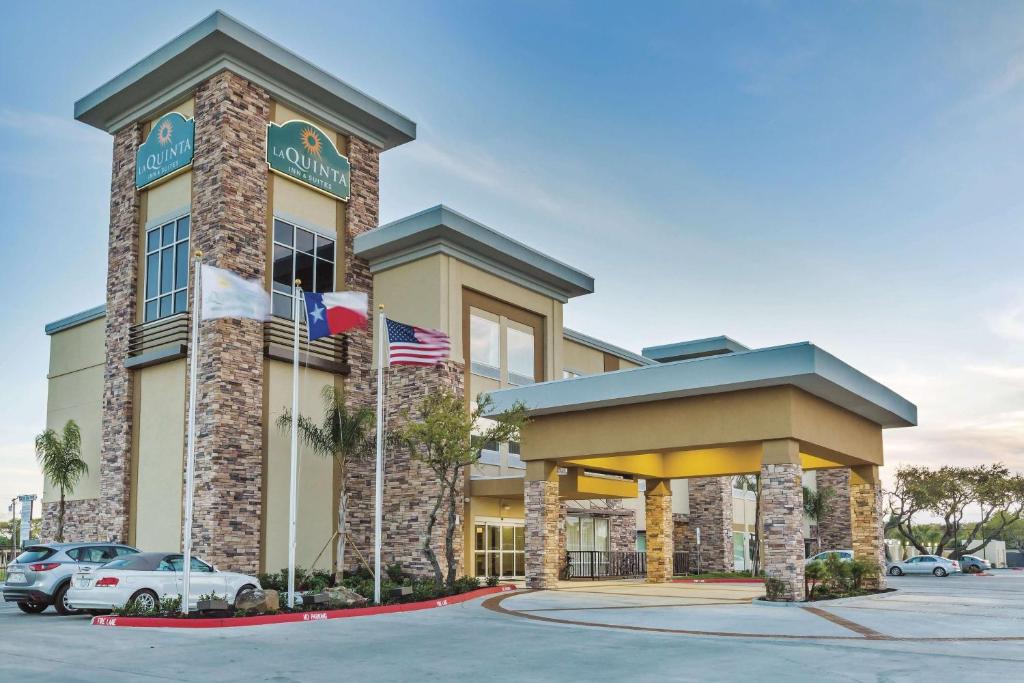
(246, 587)
(60, 601)
(974, 569)
(145, 599)
(939, 571)
(31, 607)
(895, 571)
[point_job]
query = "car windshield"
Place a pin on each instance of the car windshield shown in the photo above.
(34, 555)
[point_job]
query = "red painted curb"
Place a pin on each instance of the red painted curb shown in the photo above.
(227, 622)
(720, 580)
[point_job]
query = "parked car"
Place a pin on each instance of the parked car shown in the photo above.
(41, 574)
(148, 578)
(973, 563)
(925, 564)
(844, 555)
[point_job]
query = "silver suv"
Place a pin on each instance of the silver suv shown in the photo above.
(41, 575)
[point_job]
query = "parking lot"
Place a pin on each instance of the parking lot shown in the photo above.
(958, 626)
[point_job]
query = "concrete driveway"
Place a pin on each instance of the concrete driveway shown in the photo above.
(474, 643)
(955, 608)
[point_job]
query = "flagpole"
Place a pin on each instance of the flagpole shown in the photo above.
(190, 460)
(378, 499)
(293, 491)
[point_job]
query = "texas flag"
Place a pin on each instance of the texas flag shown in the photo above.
(330, 313)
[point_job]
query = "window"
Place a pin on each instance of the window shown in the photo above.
(299, 254)
(521, 368)
(489, 454)
(166, 269)
(92, 554)
(513, 456)
(35, 555)
(501, 348)
(641, 541)
(485, 345)
(586, 533)
(500, 548)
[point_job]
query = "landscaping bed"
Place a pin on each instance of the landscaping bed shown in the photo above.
(317, 592)
(283, 616)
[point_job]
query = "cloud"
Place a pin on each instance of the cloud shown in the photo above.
(1009, 322)
(1003, 372)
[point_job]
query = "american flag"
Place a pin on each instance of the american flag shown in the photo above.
(411, 345)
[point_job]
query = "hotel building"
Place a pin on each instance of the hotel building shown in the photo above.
(225, 142)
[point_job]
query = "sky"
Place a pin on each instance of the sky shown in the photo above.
(844, 173)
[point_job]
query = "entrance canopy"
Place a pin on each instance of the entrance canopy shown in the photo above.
(710, 416)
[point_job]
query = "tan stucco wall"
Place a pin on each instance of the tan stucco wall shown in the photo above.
(299, 203)
(581, 359)
(741, 417)
(315, 514)
(75, 392)
(428, 292)
(160, 392)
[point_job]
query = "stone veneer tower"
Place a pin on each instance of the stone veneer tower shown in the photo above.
(234, 78)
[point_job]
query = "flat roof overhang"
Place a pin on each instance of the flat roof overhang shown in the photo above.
(221, 42)
(441, 230)
(710, 416)
(575, 484)
(801, 365)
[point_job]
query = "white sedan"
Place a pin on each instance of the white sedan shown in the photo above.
(147, 578)
(925, 564)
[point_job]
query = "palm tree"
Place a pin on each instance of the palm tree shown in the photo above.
(60, 457)
(343, 434)
(818, 506)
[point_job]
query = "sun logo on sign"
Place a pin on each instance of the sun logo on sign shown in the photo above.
(311, 141)
(163, 134)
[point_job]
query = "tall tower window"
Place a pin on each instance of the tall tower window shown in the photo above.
(300, 254)
(166, 269)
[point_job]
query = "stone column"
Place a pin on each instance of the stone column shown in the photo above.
(711, 511)
(866, 519)
(540, 496)
(782, 519)
(660, 527)
(834, 528)
(229, 225)
(118, 390)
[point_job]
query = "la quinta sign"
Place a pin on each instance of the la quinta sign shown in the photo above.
(300, 150)
(168, 149)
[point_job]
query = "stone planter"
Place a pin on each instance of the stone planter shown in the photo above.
(215, 605)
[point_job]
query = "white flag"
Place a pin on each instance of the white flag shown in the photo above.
(226, 295)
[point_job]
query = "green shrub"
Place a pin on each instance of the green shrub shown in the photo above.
(395, 573)
(813, 573)
(464, 584)
(170, 607)
(425, 589)
(775, 589)
(861, 569)
(492, 581)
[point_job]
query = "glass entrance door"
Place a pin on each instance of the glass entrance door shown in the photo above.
(500, 548)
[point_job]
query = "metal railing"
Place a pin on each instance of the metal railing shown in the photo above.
(602, 564)
(149, 336)
(683, 562)
(279, 332)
